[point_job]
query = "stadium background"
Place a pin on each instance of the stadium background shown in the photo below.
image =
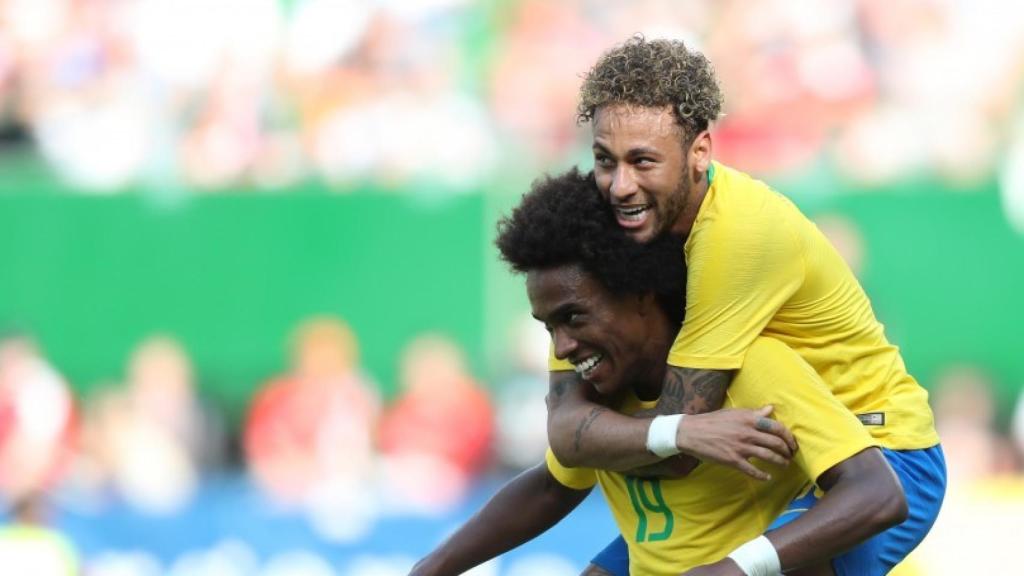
(202, 199)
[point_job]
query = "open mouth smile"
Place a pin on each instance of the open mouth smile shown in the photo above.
(632, 214)
(586, 367)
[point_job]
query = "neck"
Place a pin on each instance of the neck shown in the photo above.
(694, 198)
(648, 387)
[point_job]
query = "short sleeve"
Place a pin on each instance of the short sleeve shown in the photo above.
(575, 478)
(741, 269)
(827, 432)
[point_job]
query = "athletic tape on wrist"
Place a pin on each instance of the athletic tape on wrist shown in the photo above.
(661, 436)
(757, 558)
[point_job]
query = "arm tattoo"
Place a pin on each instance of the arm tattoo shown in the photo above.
(693, 391)
(585, 424)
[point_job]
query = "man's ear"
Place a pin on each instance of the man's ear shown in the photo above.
(700, 155)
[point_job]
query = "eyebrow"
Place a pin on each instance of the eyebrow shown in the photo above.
(642, 151)
(631, 153)
(560, 310)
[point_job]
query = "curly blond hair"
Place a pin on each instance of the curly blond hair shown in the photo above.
(654, 73)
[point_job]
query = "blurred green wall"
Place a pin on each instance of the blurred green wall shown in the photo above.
(231, 275)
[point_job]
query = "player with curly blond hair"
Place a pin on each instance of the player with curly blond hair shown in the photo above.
(654, 74)
(756, 267)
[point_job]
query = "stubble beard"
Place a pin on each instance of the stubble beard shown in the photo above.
(675, 205)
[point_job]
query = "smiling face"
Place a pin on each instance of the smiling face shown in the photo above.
(613, 341)
(644, 169)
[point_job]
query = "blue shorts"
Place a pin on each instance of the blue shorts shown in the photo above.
(614, 559)
(923, 476)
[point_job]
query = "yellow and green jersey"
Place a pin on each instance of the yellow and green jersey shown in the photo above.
(672, 525)
(756, 266)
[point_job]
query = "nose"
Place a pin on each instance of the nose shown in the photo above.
(623, 185)
(565, 344)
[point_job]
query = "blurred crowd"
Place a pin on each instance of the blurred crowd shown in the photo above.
(265, 94)
(316, 440)
(319, 440)
(453, 96)
(318, 435)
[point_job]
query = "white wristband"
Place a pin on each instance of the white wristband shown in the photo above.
(757, 558)
(661, 436)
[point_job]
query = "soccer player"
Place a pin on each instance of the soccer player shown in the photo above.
(606, 295)
(756, 267)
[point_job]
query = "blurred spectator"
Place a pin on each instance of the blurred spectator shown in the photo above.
(1011, 176)
(152, 439)
(986, 487)
(791, 72)
(37, 419)
(437, 435)
(397, 92)
(965, 419)
(522, 434)
(29, 546)
(312, 428)
(536, 74)
(400, 81)
(846, 237)
(1017, 431)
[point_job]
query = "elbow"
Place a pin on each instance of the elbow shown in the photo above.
(561, 444)
(568, 460)
(900, 509)
(891, 507)
(564, 452)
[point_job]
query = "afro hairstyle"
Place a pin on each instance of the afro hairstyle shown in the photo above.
(563, 220)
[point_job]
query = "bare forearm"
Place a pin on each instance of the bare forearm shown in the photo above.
(582, 432)
(692, 391)
(865, 500)
(523, 509)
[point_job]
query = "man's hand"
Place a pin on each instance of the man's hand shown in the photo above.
(724, 567)
(732, 436)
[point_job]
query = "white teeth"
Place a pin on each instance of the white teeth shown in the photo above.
(633, 213)
(586, 367)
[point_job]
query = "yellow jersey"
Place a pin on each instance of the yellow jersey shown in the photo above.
(673, 524)
(756, 266)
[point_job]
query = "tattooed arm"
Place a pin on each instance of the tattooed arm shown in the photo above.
(583, 432)
(692, 391)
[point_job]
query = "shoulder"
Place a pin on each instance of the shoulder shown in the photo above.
(740, 215)
(740, 195)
